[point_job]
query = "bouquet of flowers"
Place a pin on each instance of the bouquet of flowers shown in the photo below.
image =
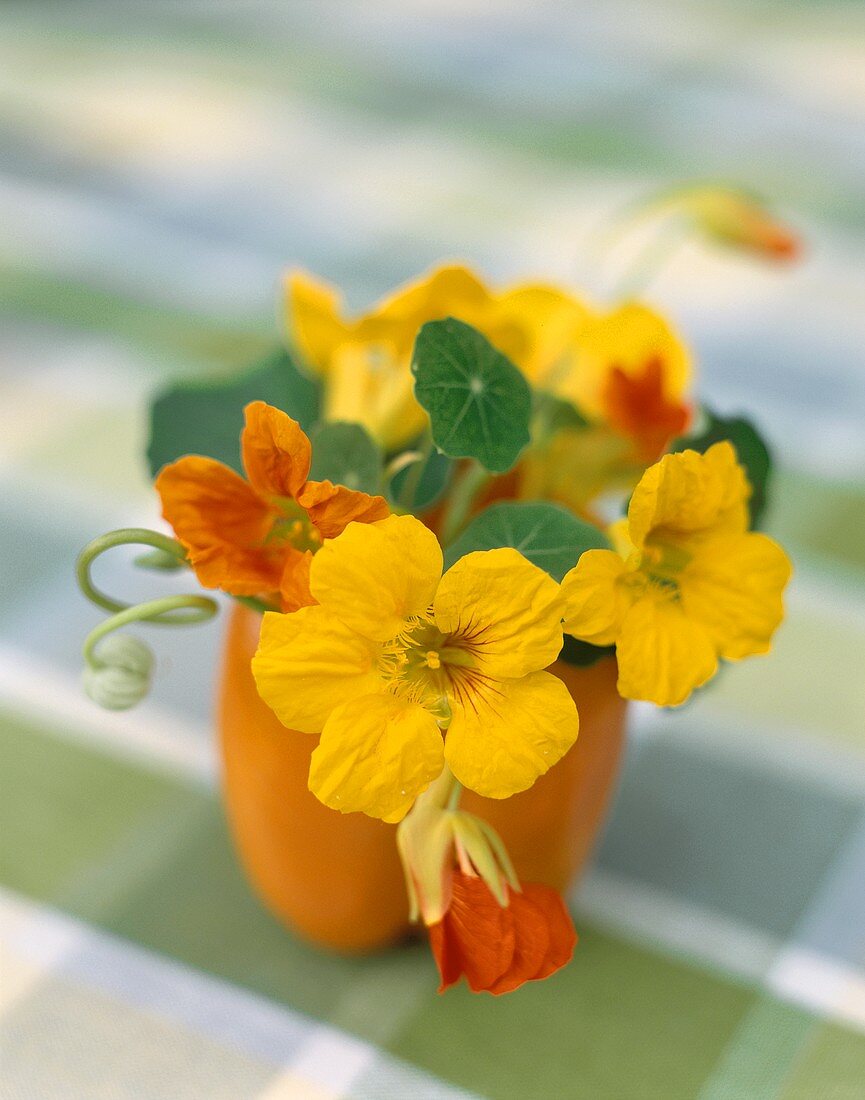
(427, 507)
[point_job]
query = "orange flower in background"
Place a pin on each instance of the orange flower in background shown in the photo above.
(256, 536)
(499, 948)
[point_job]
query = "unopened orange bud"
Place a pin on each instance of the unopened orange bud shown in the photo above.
(738, 220)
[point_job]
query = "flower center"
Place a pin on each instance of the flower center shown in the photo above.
(429, 667)
(662, 562)
(294, 526)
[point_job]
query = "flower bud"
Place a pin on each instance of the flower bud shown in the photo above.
(119, 674)
(739, 220)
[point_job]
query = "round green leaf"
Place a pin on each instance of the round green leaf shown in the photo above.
(345, 454)
(547, 534)
(479, 404)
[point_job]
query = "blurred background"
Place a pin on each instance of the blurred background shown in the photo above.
(160, 165)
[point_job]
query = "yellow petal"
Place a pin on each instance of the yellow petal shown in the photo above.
(308, 662)
(376, 754)
(371, 384)
(449, 291)
(504, 609)
(662, 654)
(595, 599)
(689, 494)
(534, 326)
(734, 587)
(628, 338)
(313, 318)
(374, 576)
(500, 741)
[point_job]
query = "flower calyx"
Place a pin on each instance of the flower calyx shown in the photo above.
(434, 838)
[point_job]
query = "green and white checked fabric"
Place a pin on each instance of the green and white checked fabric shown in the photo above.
(161, 164)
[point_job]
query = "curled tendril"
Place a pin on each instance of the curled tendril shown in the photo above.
(118, 670)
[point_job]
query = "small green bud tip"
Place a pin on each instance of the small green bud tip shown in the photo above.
(120, 672)
(160, 559)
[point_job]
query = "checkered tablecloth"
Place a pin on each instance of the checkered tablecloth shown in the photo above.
(160, 164)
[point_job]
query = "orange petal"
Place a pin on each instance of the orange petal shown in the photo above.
(562, 936)
(294, 586)
(475, 937)
(333, 507)
(222, 524)
(276, 452)
(531, 943)
(637, 406)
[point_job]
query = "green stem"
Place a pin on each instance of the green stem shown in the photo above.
(651, 259)
(125, 537)
(415, 473)
(167, 610)
(462, 497)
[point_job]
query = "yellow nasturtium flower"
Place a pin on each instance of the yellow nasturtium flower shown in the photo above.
(689, 585)
(366, 361)
(630, 370)
(401, 669)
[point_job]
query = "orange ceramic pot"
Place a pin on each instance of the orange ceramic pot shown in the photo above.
(336, 879)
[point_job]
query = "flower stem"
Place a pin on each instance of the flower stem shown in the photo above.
(415, 473)
(465, 489)
(124, 537)
(651, 260)
(172, 610)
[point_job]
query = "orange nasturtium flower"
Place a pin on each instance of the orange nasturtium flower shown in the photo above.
(401, 669)
(499, 948)
(257, 537)
(690, 584)
(365, 362)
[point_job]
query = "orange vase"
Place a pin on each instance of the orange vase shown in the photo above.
(336, 879)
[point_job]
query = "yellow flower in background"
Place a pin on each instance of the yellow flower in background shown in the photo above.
(401, 669)
(366, 361)
(689, 585)
(629, 369)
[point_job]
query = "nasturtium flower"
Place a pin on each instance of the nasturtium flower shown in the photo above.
(689, 583)
(257, 536)
(401, 669)
(366, 362)
(499, 948)
(628, 369)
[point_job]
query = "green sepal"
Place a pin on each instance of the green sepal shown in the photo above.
(549, 535)
(205, 417)
(583, 654)
(751, 451)
(479, 403)
(346, 455)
